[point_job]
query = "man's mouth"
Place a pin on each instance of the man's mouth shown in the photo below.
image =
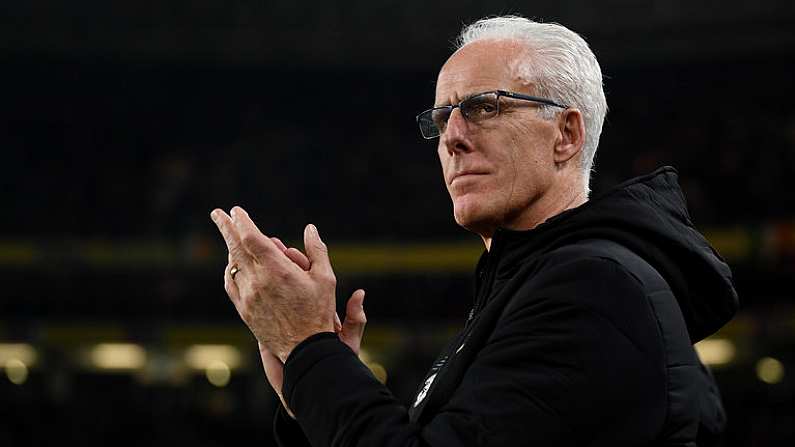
(466, 174)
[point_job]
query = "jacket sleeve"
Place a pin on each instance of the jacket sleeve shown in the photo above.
(574, 354)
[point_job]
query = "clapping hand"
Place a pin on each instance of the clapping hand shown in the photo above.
(283, 295)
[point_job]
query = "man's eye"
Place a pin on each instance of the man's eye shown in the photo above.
(480, 110)
(485, 108)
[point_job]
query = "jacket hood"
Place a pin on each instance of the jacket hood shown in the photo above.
(649, 216)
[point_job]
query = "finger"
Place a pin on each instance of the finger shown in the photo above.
(229, 283)
(337, 323)
(294, 254)
(253, 241)
(317, 252)
(279, 244)
(230, 235)
(298, 257)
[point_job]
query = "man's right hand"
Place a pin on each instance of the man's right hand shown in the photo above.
(350, 332)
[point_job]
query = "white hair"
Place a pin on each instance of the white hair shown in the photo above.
(563, 69)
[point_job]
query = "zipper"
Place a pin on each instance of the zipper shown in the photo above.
(487, 278)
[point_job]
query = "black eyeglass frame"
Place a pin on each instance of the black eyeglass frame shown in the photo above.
(499, 93)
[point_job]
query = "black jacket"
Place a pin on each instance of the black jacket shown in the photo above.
(581, 334)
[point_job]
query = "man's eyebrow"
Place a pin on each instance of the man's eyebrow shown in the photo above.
(463, 98)
(471, 95)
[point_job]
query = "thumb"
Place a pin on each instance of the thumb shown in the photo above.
(354, 310)
(355, 320)
(316, 251)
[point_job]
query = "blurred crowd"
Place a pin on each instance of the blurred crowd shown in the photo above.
(147, 151)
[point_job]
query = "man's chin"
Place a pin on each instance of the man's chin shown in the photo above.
(479, 223)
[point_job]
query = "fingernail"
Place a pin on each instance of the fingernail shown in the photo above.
(214, 215)
(313, 229)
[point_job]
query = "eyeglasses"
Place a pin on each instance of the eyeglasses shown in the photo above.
(476, 108)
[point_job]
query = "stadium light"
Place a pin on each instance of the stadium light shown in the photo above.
(23, 352)
(769, 370)
(201, 357)
(118, 356)
(715, 351)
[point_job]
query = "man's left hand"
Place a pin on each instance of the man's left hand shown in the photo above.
(281, 303)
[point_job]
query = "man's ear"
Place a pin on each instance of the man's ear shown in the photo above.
(572, 132)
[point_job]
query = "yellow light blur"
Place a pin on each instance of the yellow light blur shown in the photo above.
(23, 352)
(378, 371)
(17, 371)
(201, 357)
(218, 373)
(118, 356)
(715, 351)
(769, 370)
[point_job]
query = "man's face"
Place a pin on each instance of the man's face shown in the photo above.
(495, 170)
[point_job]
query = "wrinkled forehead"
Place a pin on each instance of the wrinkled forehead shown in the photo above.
(482, 66)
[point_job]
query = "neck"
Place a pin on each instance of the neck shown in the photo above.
(547, 206)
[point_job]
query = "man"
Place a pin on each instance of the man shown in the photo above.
(585, 311)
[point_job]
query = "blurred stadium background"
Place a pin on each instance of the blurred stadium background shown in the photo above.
(124, 123)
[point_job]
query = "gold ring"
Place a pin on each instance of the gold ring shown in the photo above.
(233, 271)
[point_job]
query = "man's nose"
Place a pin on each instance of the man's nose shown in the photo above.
(454, 137)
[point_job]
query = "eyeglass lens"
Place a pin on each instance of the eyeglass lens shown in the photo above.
(480, 107)
(477, 108)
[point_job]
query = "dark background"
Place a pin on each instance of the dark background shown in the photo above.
(122, 124)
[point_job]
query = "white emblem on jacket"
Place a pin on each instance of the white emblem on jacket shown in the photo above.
(424, 392)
